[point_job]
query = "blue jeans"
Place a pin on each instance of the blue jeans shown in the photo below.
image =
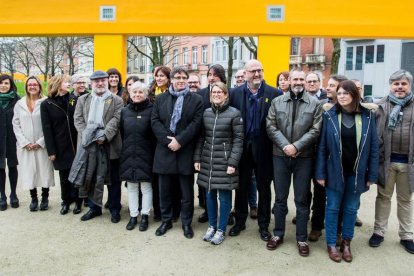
(253, 193)
(301, 169)
(225, 208)
(350, 203)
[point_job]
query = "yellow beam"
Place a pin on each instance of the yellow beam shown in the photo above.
(273, 53)
(341, 18)
(110, 51)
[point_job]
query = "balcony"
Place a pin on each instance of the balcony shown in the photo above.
(295, 60)
(315, 59)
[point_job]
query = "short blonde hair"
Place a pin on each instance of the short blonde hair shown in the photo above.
(54, 85)
(223, 88)
(140, 86)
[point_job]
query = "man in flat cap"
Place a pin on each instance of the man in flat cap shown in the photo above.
(97, 117)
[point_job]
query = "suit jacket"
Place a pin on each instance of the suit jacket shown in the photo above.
(112, 116)
(262, 146)
(187, 132)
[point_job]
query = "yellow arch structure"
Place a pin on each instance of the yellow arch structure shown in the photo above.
(341, 18)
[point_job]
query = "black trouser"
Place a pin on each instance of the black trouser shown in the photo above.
(167, 184)
(65, 186)
(12, 179)
(247, 164)
(114, 190)
(318, 207)
(176, 198)
(202, 197)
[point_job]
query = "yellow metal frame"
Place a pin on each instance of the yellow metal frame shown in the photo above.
(341, 18)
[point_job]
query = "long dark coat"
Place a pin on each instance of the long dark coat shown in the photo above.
(56, 125)
(187, 132)
(262, 145)
(138, 142)
(220, 146)
(7, 137)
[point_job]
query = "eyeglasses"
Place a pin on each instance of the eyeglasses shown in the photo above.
(192, 82)
(217, 92)
(33, 85)
(180, 78)
(259, 71)
(238, 77)
(312, 81)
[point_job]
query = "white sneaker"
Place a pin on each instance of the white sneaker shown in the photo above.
(209, 234)
(218, 238)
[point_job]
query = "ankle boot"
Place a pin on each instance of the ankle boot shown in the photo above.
(143, 226)
(44, 203)
(346, 250)
(3, 203)
(131, 224)
(78, 206)
(34, 204)
(14, 201)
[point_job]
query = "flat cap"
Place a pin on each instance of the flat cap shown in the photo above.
(98, 74)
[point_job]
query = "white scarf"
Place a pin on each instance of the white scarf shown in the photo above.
(95, 115)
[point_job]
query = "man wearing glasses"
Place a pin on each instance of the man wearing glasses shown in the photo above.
(176, 123)
(194, 83)
(239, 78)
(313, 87)
(253, 99)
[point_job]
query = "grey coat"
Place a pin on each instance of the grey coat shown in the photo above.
(112, 116)
(220, 146)
(303, 133)
(384, 141)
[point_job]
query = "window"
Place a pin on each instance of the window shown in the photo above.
(185, 55)
(295, 46)
(225, 50)
(367, 90)
(369, 54)
(136, 62)
(204, 54)
(318, 46)
(236, 47)
(380, 53)
(359, 57)
(195, 55)
(175, 57)
(218, 50)
(349, 58)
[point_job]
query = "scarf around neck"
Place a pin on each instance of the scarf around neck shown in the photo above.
(6, 99)
(396, 114)
(95, 115)
(178, 106)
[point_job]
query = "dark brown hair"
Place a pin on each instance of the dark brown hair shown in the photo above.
(350, 87)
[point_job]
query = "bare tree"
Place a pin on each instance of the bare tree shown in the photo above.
(336, 53)
(71, 50)
(7, 53)
(23, 55)
(250, 45)
(159, 47)
(230, 41)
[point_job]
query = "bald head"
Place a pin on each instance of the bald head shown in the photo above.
(253, 74)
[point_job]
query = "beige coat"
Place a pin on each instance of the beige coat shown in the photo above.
(35, 168)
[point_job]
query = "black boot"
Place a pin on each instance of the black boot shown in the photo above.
(3, 198)
(3, 203)
(143, 226)
(34, 204)
(131, 224)
(65, 208)
(78, 206)
(14, 200)
(44, 204)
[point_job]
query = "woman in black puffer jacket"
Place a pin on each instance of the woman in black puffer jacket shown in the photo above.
(138, 144)
(216, 158)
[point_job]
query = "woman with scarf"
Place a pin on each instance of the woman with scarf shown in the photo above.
(346, 164)
(8, 99)
(35, 168)
(60, 145)
(216, 158)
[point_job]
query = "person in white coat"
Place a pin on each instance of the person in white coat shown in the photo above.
(35, 169)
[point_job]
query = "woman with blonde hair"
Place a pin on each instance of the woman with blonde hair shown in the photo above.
(60, 145)
(35, 169)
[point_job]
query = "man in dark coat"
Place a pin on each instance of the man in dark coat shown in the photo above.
(253, 100)
(176, 122)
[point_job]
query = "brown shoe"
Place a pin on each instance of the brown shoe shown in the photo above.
(346, 250)
(303, 248)
(334, 254)
(253, 213)
(314, 235)
(358, 222)
(274, 243)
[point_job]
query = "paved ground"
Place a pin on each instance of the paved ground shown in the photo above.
(47, 243)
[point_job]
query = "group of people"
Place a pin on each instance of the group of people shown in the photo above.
(156, 138)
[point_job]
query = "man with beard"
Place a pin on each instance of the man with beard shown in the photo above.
(395, 125)
(194, 83)
(293, 124)
(253, 100)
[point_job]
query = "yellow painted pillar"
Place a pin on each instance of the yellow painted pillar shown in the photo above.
(110, 51)
(274, 53)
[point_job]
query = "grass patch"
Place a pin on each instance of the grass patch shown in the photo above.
(20, 88)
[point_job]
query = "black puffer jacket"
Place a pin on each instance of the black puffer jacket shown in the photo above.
(138, 142)
(7, 137)
(220, 146)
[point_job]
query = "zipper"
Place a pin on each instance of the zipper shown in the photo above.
(362, 147)
(340, 147)
(211, 153)
(67, 120)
